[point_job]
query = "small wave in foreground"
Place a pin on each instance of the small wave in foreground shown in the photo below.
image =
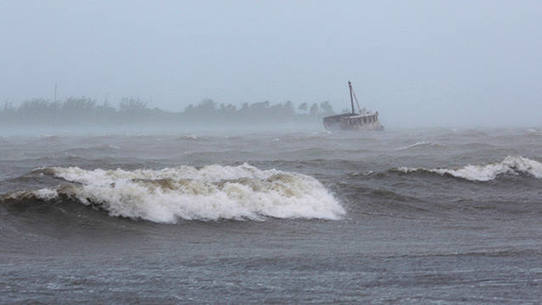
(210, 193)
(510, 165)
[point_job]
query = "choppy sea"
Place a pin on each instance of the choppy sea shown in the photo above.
(406, 216)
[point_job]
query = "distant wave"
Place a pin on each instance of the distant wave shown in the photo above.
(534, 132)
(188, 137)
(101, 147)
(420, 144)
(510, 165)
(210, 193)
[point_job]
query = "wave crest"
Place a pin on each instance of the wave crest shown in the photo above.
(510, 165)
(421, 145)
(209, 193)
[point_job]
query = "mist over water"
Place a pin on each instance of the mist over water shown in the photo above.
(87, 116)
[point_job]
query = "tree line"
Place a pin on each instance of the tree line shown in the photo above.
(134, 110)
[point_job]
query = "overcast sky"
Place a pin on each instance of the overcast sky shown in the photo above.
(416, 62)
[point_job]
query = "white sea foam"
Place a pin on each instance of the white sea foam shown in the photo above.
(210, 193)
(421, 143)
(533, 131)
(510, 165)
(188, 137)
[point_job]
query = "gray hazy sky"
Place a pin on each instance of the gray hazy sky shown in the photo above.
(417, 62)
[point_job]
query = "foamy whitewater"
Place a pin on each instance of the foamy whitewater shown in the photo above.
(510, 165)
(209, 193)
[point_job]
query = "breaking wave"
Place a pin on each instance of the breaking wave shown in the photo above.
(510, 165)
(210, 193)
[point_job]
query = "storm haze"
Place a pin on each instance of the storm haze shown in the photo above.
(419, 63)
(210, 152)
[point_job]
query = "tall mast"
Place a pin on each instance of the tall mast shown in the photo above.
(351, 98)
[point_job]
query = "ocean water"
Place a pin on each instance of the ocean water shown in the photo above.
(431, 216)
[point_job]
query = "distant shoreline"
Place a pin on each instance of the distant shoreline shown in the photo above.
(131, 111)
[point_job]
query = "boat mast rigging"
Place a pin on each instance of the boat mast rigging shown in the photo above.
(353, 97)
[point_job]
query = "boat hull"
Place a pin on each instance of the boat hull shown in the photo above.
(352, 121)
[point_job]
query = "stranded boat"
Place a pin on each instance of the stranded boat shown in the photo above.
(361, 120)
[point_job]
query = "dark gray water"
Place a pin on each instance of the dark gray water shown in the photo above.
(390, 217)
